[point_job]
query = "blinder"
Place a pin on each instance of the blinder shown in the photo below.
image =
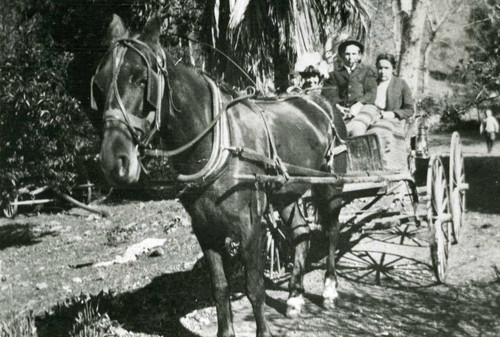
(154, 90)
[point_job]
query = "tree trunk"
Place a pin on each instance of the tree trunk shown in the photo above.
(398, 27)
(281, 69)
(411, 51)
(424, 68)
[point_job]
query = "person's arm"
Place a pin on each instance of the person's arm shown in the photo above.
(331, 90)
(495, 122)
(406, 109)
(369, 87)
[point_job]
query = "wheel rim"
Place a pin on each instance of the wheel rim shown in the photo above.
(437, 207)
(10, 208)
(457, 180)
(439, 217)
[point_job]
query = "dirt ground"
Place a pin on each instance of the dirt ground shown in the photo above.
(46, 267)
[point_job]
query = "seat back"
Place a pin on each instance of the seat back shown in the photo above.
(364, 153)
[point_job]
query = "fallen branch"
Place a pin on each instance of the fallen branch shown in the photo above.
(75, 202)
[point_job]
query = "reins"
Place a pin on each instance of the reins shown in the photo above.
(221, 147)
(188, 145)
(227, 57)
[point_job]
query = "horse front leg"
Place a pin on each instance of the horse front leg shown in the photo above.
(301, 242)
(254, 269)
(330, 293)
(220, 289)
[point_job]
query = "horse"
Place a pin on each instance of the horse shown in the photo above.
(211, 138)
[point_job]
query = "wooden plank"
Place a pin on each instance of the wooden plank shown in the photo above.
(333, 180)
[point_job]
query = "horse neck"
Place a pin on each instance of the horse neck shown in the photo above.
(189, 113)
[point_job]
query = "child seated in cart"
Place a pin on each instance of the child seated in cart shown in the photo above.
(312, 70)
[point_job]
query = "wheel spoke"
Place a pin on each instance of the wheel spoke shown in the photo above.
(365, 274)
(360, 260)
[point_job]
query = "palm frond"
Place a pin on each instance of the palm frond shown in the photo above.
(258, 30)
(238, 9)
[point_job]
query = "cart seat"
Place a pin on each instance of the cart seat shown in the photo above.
(365, 154)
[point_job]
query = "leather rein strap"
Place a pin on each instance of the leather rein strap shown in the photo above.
(143, 129)
(140, 128)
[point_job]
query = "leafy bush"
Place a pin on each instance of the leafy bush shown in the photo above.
(42, 128)
(48, 50)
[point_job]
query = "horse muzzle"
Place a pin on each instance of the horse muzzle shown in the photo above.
(119, 155)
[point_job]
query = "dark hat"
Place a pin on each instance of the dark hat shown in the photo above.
(343, 45)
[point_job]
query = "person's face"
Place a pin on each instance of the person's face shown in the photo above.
(384, 69)
(488, 113)
(311, 81)
(351, 55)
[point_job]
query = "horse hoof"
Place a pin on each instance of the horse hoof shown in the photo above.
(294, 306)
(329, 303)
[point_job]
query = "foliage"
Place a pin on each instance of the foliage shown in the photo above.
(475, 82)
(48, 50)
(16, 325)
(42, 128)
(450, 110)
(91, 323)
(265, 36)
(480, 75)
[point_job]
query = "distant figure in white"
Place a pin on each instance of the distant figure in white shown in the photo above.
(489, 129)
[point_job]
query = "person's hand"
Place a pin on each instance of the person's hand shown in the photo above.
(388, 114)
(354, 110)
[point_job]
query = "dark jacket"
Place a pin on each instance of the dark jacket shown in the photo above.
(346, 89)
(399, 98)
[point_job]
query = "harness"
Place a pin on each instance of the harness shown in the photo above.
(143, 129)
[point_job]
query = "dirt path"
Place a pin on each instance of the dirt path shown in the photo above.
(468, 305)
(45, 267)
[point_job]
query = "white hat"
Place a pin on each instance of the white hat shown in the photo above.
(312, 60)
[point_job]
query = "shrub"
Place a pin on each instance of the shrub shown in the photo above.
(42, 128)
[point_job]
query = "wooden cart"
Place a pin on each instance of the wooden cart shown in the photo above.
(422, 205)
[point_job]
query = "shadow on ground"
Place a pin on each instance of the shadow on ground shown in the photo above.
(483, 176)
(369, 311)
(155, 309)
(21, 234)
(363, 310)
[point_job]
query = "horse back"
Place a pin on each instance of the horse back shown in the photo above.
(300, 127)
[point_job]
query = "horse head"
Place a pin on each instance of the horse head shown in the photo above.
(127, 89)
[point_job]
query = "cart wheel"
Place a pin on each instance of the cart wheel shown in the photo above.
(10, 199)
(277, 251)
(83, 191)
(439, 217)
(458, 185)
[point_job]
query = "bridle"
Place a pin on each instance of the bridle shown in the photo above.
(141, 129)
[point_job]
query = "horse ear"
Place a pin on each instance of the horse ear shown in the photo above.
(116, 30)
(152, 29)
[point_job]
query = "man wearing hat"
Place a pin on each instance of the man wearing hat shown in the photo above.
(354, 87)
